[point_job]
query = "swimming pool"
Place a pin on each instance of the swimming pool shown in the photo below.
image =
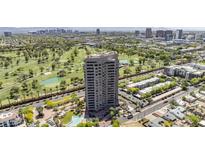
(124, 62)
(53, 80)
(75, 121)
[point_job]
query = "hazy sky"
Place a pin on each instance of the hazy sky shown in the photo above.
(100, 13)
(27, 29)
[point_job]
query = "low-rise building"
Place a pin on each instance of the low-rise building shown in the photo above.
(191, 49)
(181, 109)
(10, 119)
(200, 96)
(149, 89)
(190, 98)
(202, 92)
(170, 117)
(156, 122)
(167, 94)
(181, 102)
(202, 123)
(198, 111)
(144, 83)
(176, 112)
(179, 41)
(185, 71)
(197, 66)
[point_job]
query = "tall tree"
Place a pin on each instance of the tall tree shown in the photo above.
(1, 83)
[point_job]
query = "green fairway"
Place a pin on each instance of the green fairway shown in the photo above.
(46, 64)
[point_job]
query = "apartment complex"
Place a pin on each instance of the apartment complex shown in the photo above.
(101, 82)
(144, 83)
(188, 71)
(149, 89)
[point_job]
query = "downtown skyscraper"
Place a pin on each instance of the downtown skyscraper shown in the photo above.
(148, 33)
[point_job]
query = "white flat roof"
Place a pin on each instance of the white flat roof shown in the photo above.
(202, 122)
(143, 82)
(148, 89)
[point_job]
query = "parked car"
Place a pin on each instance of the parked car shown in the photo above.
(130, 116)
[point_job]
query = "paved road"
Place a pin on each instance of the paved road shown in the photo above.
(130, 97)
(80, 93)
(145, 73)
(131, 106)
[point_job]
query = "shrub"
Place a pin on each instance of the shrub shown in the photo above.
(115, 123)
(133, 90)
(88, 124)
(50, 104)
(45, 125)
(29, 117)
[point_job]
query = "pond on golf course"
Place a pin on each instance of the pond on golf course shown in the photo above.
(50, 81)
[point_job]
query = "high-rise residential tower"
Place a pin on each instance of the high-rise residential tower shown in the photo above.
(101, 83)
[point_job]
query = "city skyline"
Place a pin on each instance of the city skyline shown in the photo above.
(93, 29)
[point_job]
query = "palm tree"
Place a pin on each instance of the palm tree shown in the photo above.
(74, 97)
(38, 92)
(24, 95)
(41, 69)
(1, 103)
(1, 83)
(112, 112)
(31, 93)
(57, 88)
(9, 100)
(44, 90)
(40, 111)
(51, 90)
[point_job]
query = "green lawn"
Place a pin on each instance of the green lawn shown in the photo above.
(52, 104)
(74, 69)
(67, 118)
